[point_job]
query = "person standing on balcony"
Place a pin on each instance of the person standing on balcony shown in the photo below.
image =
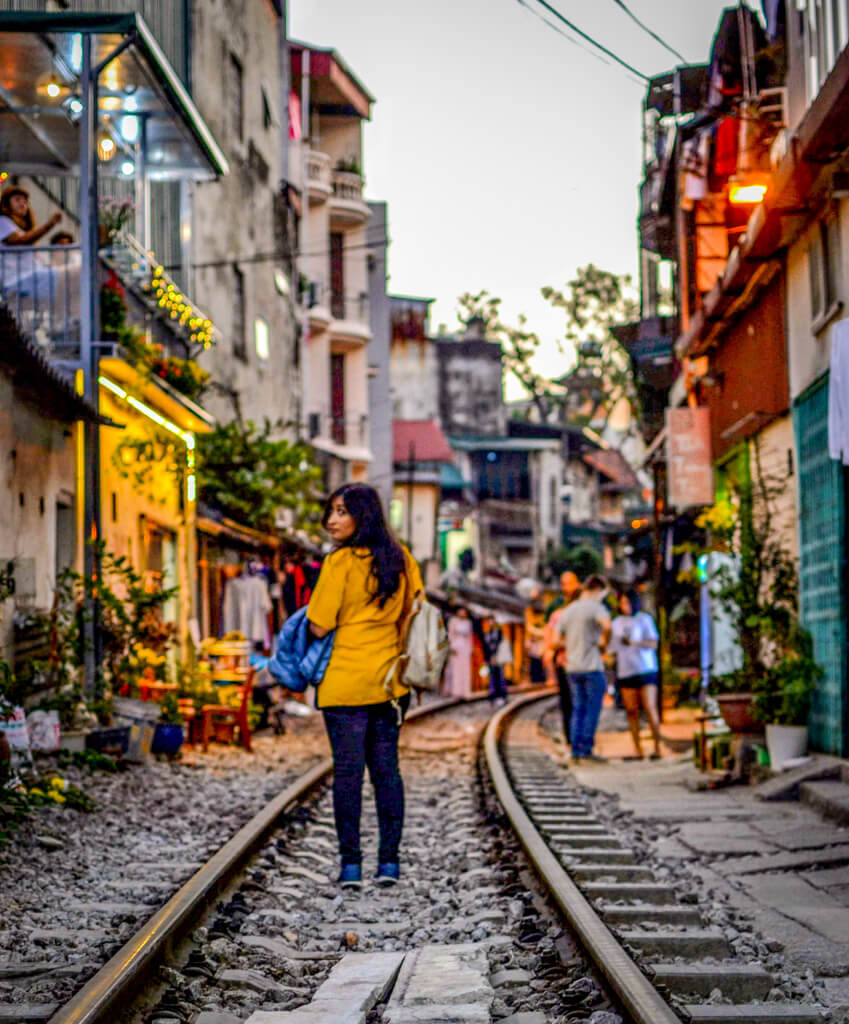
(20, 271)
(365, 591)
(17, 222)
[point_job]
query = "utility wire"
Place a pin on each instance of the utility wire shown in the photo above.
(560, 32)
(265, 257)
(593, 42)
(645, 28)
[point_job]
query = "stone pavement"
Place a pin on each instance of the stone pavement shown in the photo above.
(779, 863)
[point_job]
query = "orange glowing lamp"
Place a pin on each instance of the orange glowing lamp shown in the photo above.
(746, 191)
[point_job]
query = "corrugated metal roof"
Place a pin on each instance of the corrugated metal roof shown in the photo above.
(34, 373)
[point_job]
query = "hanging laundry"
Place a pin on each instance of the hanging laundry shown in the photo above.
(694, 167)
(247, 603)
(294, 115)
(725, 153)
(775, 15)
(838, 394)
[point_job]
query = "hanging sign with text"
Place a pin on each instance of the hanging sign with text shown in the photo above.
(690, 478)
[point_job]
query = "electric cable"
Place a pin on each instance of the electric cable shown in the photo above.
(560, 32)
(264, 257)
(593, 42)
(645, 28)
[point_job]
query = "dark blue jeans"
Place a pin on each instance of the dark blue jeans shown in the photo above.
(497, 686)
(587, 690)
(360, 737)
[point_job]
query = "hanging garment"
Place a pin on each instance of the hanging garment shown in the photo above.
(246, 607)
(838, 394)
(775, 15)
(725, 153)
(694, 185)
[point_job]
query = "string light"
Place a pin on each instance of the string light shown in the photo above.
(171, 300)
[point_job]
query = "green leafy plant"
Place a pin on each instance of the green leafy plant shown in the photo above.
(170, 710)
(131, 624)
(248, 474)
(580, 559)
(758, 590)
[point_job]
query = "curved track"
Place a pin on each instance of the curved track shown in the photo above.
(647, 946)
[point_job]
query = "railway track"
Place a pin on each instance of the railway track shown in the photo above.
(261, 934)
(654, 950)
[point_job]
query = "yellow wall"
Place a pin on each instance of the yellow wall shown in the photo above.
(129, 510)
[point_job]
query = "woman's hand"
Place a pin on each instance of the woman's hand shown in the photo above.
(54, 220)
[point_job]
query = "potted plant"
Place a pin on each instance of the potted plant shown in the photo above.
(756, 587)
(168, 735)
(782, 700)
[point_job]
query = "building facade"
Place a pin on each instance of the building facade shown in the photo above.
(326, 166)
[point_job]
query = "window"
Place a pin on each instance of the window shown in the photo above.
(236, 98)
(827, 32)
(824, 269)
(337, 397)
(337, 275)
(262, 343)
(239, 346)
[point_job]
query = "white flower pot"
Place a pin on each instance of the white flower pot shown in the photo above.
(785, 742)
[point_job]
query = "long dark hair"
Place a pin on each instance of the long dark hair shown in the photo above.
(362, 503)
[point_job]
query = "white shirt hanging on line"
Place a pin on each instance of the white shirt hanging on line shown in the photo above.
(838, 394)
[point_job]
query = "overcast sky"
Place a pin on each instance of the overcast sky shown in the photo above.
(509, 156)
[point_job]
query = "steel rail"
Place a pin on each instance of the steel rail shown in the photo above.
(115, 982)
(626, 980)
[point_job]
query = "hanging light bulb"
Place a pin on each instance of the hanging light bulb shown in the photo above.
(106, 148)
(51, 86)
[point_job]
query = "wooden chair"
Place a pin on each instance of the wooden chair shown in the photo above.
(222, 717)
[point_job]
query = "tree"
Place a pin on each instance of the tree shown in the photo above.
(249, 476)
(594, 302)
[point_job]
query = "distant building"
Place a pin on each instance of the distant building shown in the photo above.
(413, 358)
(471, 385)
(421, 457)
(379, 358)
(326, 167)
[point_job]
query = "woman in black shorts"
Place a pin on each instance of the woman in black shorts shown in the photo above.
(634, 640)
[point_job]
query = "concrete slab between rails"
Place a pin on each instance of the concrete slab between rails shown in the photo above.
(27, 1013)
(443, 983)
(753, 1013)
(356, 984)
(735, 981)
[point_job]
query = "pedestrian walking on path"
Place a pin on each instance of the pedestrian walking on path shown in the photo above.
(633, 641)
(492, 641)
(458, 676)
(364, 592)
(554, 657)
(584, 627)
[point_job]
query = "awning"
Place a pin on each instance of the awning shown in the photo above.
(139, 91)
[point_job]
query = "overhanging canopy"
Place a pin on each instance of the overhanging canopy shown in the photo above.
(139, 91)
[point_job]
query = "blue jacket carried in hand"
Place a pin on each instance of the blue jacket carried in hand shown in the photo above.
(300, 659)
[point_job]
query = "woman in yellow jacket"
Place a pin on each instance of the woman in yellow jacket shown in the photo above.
(365, 591)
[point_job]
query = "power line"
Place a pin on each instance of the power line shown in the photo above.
(265, 257)
(560, 32)
(593, 42)
(645, 28)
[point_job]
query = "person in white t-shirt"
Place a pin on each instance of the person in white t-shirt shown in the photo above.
(633, 641)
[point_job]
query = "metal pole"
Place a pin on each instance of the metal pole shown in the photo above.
(302, 238)
(89, 354)
(411, 472)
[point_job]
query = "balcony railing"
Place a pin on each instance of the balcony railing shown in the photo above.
(40, 285)
(348, 185)
(149, 281)
(346, 429)
(344, 307)
(318, 175)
